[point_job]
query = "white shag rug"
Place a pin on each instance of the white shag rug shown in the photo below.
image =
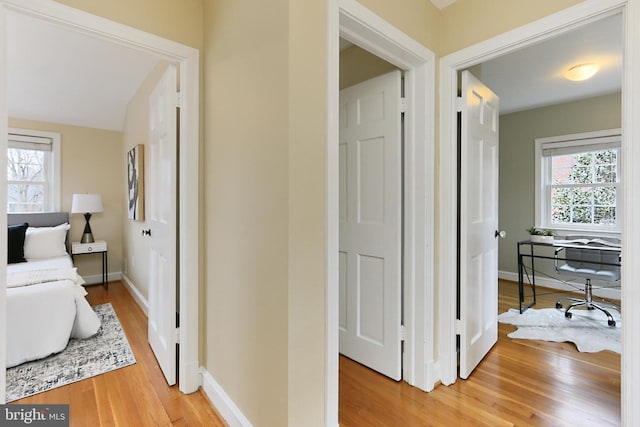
(587, 329)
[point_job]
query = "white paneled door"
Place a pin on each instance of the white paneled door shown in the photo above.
(478, 223)
(370, 210)
(161, 220)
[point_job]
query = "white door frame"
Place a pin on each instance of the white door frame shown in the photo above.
(352, 21)
(537, 31)
(188, 174)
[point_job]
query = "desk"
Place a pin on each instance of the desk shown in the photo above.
(529, 246)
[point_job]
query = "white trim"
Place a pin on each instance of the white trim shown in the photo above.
(57, 170)
(448, 223)
(188, 58)
(547, 282)
(222, 402)
(332, 217)
(441, 4)
(95, 279)
(580, 136)
(543, 178)
(363, 28)
(535, 32)
(136, 294)
(630, 368)
(189, 223)
(3, 196)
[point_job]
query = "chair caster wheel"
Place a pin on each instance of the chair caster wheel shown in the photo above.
(568, 315)
(558, 305)
(612, 323)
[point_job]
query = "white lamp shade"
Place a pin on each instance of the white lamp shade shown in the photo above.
(86, 203)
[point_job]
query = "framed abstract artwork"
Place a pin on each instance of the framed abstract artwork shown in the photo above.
(135, 182)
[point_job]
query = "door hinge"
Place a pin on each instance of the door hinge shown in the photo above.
(403, 333)
(179, 99)
(459, 327)
(459, 104)
(177, 335)
(403, 104)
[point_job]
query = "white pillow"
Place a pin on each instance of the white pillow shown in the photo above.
(45, 242)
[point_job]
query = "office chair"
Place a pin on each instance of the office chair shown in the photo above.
(591, 262)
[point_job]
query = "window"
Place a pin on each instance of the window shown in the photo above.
(578, 180)
(33, 171)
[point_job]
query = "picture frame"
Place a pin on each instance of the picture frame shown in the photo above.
(135, 183)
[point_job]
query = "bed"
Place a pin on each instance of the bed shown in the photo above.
(46, 304)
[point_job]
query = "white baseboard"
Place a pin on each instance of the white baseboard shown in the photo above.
(432, 370)
(222, 402)
(613, 293)
(137, 296)
(95, 279)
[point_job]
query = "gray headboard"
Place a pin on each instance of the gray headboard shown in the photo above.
(46, 219)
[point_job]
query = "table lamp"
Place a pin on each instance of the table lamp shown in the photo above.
(86, 204)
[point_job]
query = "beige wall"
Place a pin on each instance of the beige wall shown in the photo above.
(246, 201)
(419, 19)
(518, 132)
(467, 22)
(136, 131)
(307, 206)
(357, 65)
(179, 20)
(90, 164)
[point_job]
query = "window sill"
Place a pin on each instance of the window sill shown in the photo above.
(595, 232)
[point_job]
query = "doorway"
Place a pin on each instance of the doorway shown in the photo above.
(564, 21)
(536, 100)
(353, 22)
(188, 59)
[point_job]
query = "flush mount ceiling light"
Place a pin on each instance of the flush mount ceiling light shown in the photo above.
(581, 72)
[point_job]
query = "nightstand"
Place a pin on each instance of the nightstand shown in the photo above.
(97, 247)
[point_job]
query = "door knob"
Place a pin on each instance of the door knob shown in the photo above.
(502, 234)
(146, 232)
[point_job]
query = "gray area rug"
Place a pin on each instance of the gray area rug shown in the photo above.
(106, 351)
(587, 329)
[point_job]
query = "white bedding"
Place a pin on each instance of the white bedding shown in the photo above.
(42, 317)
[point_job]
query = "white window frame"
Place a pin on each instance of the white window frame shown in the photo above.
(55, 175)
(591, 141)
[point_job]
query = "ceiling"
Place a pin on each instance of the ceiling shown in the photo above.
(62, 76)
(533, 77)
(441, 4)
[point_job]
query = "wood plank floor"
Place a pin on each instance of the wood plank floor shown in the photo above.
(519, 383)
(523, 383)
(136, 395)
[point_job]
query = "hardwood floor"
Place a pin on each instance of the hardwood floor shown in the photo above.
(519, 383)
(136, 395)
